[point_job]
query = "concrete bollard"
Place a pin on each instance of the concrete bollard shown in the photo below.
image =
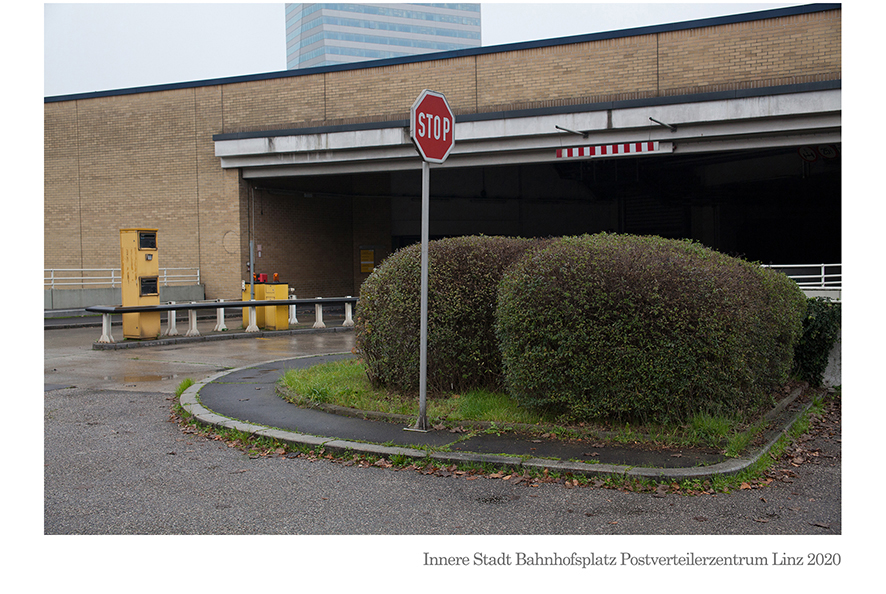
(106, 329)
(170, 323)
(192, 322)
(349, 316)
(318, 315)
(252, 327)
(220, 318)
(293, 320)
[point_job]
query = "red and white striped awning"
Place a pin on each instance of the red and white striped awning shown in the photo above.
(601, 150)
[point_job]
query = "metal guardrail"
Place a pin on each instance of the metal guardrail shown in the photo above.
(54, 278)
(220, 305)
(812, 276)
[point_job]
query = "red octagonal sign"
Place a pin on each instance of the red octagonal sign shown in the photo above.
(431, 124)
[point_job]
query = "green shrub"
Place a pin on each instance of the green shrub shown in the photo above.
(463, 276)
(644, 328)
(821, 328)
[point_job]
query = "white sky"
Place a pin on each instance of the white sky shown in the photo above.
(98, 47)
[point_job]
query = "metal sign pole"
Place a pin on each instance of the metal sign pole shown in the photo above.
(422, 424)
(431, 128)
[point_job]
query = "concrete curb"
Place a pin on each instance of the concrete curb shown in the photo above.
(190, 401)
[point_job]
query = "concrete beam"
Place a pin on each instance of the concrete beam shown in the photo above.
(727, 124)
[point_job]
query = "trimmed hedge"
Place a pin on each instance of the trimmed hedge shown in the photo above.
(644, 328)
(463, 277)
(821, 329)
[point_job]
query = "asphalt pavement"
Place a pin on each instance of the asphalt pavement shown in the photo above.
(115, 463)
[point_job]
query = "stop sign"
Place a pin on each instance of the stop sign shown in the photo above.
(431, 125)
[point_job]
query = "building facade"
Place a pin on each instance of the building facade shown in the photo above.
(741, 117)
(332, 33)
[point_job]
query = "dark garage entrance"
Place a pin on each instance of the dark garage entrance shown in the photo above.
(769, 206)
(776, 206)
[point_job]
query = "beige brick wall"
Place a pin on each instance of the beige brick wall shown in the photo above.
(597, 70)
(768, 52)
(61, 205)
(307, 241)
(147, 159)
(218, 217)
(144, 160)
(273, 104)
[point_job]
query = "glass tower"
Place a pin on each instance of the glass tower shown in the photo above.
(328, 33)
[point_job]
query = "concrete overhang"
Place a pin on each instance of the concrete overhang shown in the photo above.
(735, 123)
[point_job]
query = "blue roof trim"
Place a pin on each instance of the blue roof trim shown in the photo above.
(543, 111)
(648, 30)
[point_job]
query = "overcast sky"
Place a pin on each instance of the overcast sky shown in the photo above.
(98, 47)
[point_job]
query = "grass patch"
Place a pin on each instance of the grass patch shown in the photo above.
(186, 383)
(483, 405)
(345, 383)
(342, 383)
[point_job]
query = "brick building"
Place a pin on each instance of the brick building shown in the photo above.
(315, 166)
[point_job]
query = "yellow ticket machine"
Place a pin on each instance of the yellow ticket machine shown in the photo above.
(276, 316)
(269, 317)
(141, 273)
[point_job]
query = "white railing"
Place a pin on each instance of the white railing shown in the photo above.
(812, 276)
(59, 278)
(219, 306)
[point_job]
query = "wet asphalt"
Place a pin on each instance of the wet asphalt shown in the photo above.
(115, 462)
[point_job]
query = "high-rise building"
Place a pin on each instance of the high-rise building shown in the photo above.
(328, 33)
